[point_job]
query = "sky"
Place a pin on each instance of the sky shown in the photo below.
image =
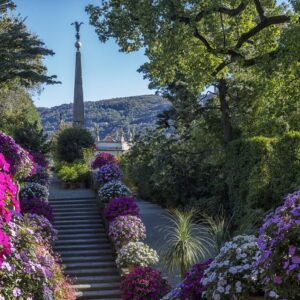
(107, 73)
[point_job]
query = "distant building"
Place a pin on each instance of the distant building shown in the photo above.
(112, 146)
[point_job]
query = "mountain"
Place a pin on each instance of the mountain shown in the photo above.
(130, 114)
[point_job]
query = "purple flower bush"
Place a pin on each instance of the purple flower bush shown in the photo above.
(37, 206)
(40, 159)
(41, 177)
(279, 241)
(191, 288)
(34, 191)
(121, 206)
(104, 158)
(126, 229)
(112, 189)
(21, 165)
(144, 283)
(108, 173)
(30, 271)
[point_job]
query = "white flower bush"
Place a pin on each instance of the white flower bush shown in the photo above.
(234, 274)
(136, 254)
(113, 189)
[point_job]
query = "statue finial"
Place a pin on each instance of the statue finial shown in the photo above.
(77, 28)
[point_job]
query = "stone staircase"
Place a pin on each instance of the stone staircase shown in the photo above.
(84, 248)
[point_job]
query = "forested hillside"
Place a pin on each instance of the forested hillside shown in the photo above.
(128, 113)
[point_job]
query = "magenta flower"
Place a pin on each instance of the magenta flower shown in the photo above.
(144, 283)
(121, 206)
(102, 159)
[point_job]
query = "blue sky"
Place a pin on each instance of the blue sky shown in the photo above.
(107, 73)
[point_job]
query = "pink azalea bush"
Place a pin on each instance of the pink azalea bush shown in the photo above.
(120, 206)
(126, 229)
(279, 241)
(144, 283)
(104, 158)
(8, 191)
(4, 246)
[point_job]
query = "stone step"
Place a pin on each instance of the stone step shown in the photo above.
(103, 294)
(94, 246)
(96, 279)
(92, 258)
(97, 230)
(70, 209)
(78, 227)
(97, 286)
(88, 241)
(90, 272)
(78, 221)
(85, 252)
(71, 198)
(77, 235)
(76, 213)
(74, 204)
(90, 265)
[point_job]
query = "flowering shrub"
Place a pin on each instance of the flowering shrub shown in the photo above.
(121, 206)
(34, 191)
(8, 192)
(191, 287)
(144, 283)
(40, 159)
(136, 254)
(38, 207)
(112, 190)
(126, 229)
(233, 273)
(41, 177)
(42, 226)
(4, 246)
(108, 173)
(30, 271)
(21, 166)
(279, 241)
(102, 159)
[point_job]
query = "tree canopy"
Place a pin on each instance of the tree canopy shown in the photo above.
(21, 52)
(205, 43)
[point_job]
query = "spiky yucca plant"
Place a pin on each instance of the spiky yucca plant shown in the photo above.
(186, 242)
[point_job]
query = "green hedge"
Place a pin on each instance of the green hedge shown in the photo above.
(259, 172)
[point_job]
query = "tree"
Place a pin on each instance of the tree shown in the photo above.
(31, 137)
(207, 42)
(71, 142)
(16, 108)
(21, 52)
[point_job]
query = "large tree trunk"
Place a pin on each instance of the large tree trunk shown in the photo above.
(226, 122)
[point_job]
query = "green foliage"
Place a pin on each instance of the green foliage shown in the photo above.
(248, 175)
(71, 143)
(77, 172)
(16, 108)
(185, 242)
(286, 166)
(21, 54)
(31, 137)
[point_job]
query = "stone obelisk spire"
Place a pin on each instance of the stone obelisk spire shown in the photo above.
(78, 105)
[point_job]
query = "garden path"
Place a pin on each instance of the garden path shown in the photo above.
(82, 243)
(152, 216)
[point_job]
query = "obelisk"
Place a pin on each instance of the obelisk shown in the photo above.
(78, 104)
